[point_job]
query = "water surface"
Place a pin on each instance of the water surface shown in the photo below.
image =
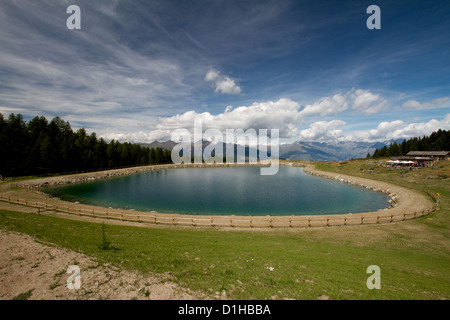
(225, 191)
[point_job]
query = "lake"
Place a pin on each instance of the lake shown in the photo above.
(225, 191)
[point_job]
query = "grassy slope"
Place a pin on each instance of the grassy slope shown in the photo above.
(413, 256)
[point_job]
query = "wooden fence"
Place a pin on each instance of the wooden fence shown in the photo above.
(223, 221)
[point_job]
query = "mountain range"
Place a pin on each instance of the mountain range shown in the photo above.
(303, 150)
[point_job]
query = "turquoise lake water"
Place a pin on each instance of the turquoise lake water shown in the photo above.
(225, 191)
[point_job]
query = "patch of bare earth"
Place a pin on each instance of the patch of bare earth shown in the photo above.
(27, 266)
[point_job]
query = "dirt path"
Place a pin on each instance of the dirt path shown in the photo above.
(28, 266)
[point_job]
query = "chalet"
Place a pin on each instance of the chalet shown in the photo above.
(420, 158)
(437, 155)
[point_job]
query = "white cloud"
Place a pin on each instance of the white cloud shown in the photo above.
(399, 130)
(227, 86)
(358, 100)
(384, 130)
(141, 136)
(323, 131)
(326, 106)
(437, 103)
(212, 75)
(282, 114)
(286, 115)
(423, 128)
(223, 84)
(332, 131)
(366, 101)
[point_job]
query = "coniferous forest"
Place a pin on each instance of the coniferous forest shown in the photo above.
(41, 147)
(437, 141)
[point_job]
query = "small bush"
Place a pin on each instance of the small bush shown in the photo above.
(104, 244)
(23, 296)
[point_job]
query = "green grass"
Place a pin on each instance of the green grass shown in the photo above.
(307, 263)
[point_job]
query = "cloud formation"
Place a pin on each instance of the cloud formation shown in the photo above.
(287, 115)
(398, 129)
(223, 84)
(356, 99)
(283, 115)
(323, 131)
(330, 131)
(366, 101)
(436, 103)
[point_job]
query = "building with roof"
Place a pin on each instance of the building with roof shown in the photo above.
(420, 158)
(438, 155)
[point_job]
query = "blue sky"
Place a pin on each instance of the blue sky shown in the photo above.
(137, 70)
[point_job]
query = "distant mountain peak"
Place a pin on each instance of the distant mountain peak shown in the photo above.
(309, 150)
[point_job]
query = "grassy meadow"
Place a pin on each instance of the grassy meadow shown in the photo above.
(414, 256)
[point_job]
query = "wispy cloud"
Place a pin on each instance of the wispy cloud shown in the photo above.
(90, 73)
(223, 84)
(437, 103)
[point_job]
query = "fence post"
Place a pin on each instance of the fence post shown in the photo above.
(328, 219)
(345, 221)
(309, 222)
(392, 217)
(378, 219)
(362, 220)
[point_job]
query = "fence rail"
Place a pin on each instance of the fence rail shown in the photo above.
(223, 221)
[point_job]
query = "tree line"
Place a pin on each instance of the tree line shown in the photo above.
(40, 147)
(437, 141)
